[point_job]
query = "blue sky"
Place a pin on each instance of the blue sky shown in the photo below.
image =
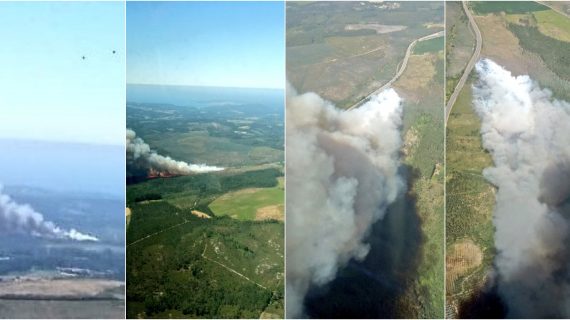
(227, 44)
(47, 91)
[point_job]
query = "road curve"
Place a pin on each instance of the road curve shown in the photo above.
(400, 71)
(470, 65)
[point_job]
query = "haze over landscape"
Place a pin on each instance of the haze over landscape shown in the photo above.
(61, 204)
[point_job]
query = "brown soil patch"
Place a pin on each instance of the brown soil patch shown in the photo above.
(239, 192)
(268, 315)
(200, 214)
(379, 28)
(275, 212)
(462, 257)
(419, 72)
(410, 142)
(56, 288)
(436, 170)
(500, 44)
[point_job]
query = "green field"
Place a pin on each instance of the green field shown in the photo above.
(553, 24)
(509, 7)
(243, 204)
(431, 45)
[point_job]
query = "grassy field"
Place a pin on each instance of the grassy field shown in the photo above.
(54, 309)
(509, 7)
(244, 204)
(431, 45)
(553, 24)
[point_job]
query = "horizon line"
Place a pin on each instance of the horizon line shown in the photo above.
(203, 86)
(39, 140)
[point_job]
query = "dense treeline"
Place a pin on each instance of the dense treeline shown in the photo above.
(203, 184)
(553, 52)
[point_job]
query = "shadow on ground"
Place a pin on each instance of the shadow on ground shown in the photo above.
(375, 287)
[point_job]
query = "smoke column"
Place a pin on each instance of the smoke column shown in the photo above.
(342, 173)
(22, 218)
(527, 132)
(140, 156)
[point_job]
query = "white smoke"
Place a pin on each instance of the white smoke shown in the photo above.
(22, 218)
(527, 132)
(342, 173)
(141, 156)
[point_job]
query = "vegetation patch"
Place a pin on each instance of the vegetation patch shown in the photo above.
(244, 204)
(430, 45)
(469, 202)
(553, 24)
(554, 53)
(509, 7)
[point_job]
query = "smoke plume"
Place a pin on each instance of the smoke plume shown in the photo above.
(22, 218)
(141, 158)
(527, 132)
(342, 173)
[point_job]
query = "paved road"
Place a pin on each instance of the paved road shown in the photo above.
(470, 65)
(400, 71)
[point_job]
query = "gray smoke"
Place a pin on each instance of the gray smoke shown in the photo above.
(22, 218)
(140, 156)
(342, 173)
(527, 132)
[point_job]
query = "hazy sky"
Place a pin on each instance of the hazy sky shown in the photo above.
(47, 91)
(239, 44)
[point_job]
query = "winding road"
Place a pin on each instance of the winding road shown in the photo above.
(470, 65)
(400, 71)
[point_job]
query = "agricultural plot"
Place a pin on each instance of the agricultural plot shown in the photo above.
(251, 204)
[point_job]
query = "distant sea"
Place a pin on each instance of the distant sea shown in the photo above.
(202, 96)
(67, 167)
